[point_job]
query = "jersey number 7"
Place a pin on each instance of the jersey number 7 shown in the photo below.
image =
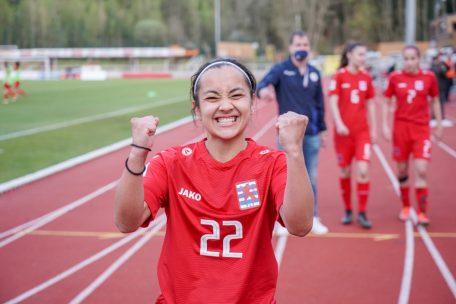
(215, 235)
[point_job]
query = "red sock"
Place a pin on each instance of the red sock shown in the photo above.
(363, 194)
(405, 196)
(345, 187)
(421, 199)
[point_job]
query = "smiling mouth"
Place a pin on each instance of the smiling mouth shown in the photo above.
(226, 120)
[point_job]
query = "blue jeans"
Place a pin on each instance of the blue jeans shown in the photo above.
(311, 147)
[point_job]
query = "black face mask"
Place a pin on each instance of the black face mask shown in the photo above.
(301, 55)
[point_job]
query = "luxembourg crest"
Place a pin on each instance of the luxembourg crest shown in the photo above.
(247, 193)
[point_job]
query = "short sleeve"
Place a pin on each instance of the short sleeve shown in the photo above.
(155, 186)
(334, 85)
(389, 91)
(370, 89)
(278, 184)
(434, 89)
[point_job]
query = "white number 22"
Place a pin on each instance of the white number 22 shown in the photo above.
(215, 235)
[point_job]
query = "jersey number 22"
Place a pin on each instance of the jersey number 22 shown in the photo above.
(215, 235)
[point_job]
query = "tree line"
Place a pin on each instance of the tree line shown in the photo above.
(190, 23)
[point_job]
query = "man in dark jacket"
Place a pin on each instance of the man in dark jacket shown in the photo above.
(297, 87)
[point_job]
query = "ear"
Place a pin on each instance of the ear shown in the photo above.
(196, 110)
(253, 104)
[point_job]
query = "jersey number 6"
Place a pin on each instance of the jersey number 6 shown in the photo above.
(215, 235)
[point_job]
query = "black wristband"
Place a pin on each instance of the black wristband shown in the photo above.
(141, 147)
(134, 173)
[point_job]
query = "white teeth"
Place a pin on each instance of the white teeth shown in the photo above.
(226, 119)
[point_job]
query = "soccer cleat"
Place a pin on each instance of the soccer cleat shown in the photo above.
(363, 221)
(423, 220)
(348, 217)
(405, 214)
(318, 227)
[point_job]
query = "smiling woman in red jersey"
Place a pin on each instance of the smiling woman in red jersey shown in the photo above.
(409, 92)
(350, 98)
(221, 195)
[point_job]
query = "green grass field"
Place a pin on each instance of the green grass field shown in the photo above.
(56, 102)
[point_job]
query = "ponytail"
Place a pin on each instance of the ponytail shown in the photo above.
(349, 47)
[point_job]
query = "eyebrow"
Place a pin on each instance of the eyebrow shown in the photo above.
(218, 93)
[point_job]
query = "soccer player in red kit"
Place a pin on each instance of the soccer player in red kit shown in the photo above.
(411, 89)
(350, 98)
(221, 195)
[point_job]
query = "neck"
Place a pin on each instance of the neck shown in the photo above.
(299, 64)
(224, 150)
(352, 68)
(412, 71)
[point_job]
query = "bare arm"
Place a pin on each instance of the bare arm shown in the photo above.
(372, 120)
(438, 117)
(297, 208)
(341, 128)
(386, 109)
(130, 210)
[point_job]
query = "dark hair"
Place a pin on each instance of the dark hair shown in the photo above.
(349, 47)
(297, 33)
(217, 63)
(412, 47)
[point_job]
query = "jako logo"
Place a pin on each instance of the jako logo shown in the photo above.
(190, 194)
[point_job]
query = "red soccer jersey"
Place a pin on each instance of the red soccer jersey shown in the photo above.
(220, 219)
(353, 91)
(412, 92)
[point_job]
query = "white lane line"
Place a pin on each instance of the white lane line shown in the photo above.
(406, 282)
(159, 221)
(57, 213)
(32, 225)
(280, 247)
(90, 118)
(437, 257)
(20, 181)
(117, 264)
(435, 254)
(283, 236)
(407, 273)
(265, 128)
(20, 227)
(446, 148)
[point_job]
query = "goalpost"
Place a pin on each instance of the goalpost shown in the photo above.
(37, 67)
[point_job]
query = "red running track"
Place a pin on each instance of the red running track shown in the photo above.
(348, 265)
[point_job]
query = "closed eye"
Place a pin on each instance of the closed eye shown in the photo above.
(237, 96)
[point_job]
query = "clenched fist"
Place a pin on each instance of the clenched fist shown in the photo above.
(291, 127)
(143, 130)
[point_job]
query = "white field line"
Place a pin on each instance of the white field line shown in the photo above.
(117, 264)
(138, 245)
(435, 254)
(407, 272)
(90, 118)
(20, 181)
(23, 229)
(55, 214)
(160, 221)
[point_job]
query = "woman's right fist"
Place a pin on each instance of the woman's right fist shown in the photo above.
(143, 130)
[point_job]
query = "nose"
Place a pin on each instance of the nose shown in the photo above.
(225, 104)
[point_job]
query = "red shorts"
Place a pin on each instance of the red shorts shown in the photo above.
(17, 84)
(6, 86)
(356, 144)
(410, 138)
